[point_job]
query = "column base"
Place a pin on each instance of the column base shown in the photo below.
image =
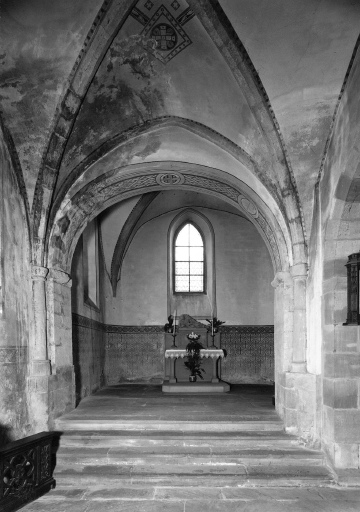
(298, 367)
(38, 387)
(41, 367)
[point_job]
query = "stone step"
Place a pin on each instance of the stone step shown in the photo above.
(268, 494)
(184, 426)
(186, 455)
(175, 476)
(119, 438)
(194, 502)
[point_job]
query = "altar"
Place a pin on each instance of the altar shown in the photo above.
(176, 379)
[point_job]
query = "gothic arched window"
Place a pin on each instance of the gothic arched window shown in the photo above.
(189, 260)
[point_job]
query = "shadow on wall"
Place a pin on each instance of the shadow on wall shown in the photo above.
(6, 435)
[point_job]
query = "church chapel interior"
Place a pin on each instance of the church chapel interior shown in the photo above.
(127, 127)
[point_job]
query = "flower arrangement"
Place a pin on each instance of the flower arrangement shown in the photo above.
(193, 337)
(193, 362)
(214, 325)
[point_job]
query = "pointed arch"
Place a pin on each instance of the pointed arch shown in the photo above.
(111, 187)
(206, 230)
(125, 237)
(107, 24)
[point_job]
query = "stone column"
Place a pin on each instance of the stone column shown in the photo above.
(283, 321)
(38, 381)
(299, 275)
(59, 331)
(38, 355)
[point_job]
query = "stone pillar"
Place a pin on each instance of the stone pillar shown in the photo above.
(299, 275)
(38, 381)
(283, 334)
(38, 354)
(59, 331)
(283, 320)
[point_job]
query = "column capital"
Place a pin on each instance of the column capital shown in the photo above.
(282, 278)
(299, 271)
(39, 273)
(60, 277)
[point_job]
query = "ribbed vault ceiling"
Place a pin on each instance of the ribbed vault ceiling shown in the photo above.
(301, 51)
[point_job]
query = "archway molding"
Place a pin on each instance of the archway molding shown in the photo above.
(123, 183)
(107, 24)
(77, 209)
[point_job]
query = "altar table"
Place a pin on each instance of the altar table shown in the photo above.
(215, 386)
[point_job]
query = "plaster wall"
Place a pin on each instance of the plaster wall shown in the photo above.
(190, 86)
(112, 222)
(339, 195)
(15, 303)
(243, 275)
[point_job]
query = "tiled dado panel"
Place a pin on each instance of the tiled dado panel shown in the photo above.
(250, 353)
(88, 355)
(134, 353)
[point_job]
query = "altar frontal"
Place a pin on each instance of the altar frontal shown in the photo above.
(192, 358)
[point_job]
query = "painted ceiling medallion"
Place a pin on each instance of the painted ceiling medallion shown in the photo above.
(169, 35)
(170, 179)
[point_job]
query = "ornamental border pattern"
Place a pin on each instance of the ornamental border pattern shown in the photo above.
(89, 323)
(13, 355)
(111, 185)
(247, 329)
(134, 329)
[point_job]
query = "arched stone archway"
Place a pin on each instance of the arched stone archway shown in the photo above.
(118, 184)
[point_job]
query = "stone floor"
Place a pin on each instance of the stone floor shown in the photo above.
(132, 448)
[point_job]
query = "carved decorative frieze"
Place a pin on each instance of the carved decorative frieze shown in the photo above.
(85, 203)
(248, 206)
(211, 184)
(170, 179)
(39, 273)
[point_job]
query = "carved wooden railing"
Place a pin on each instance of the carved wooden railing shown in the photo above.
(26, 468)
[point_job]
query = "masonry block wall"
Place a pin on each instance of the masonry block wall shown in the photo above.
(340, 213)
(15, 301)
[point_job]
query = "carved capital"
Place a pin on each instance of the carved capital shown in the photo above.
(282, 279)
(60, 277)
(39, 273)
(299, 271)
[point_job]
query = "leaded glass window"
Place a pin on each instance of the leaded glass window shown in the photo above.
(189, 260)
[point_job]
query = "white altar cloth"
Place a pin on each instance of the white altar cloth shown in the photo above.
(173, 353)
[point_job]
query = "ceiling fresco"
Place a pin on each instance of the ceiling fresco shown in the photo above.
(163, 62)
